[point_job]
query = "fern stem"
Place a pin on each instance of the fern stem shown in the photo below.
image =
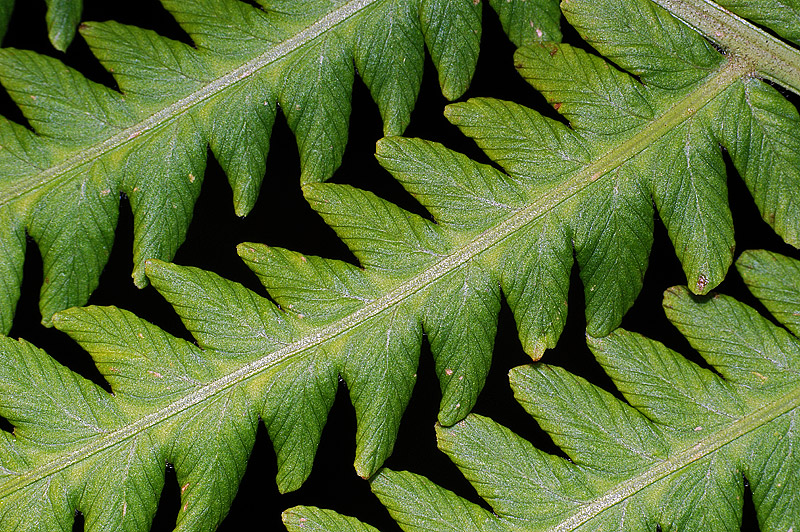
(769, 57)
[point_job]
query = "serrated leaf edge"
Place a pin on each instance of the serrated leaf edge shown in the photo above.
(710, 444)
(50, 176)
(682, 110)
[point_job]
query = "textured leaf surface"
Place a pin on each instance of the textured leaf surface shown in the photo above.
(197, 406)
(648, 135)
(63, 17)
(674, 454)
(317, 519)
(90, 144)
(768, 55)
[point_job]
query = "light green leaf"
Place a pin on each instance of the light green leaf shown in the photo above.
(389, 58)
(62, 19)
(671, 455)
(454, 60)
(755, 124)
(775, 280)
(308, 518)
(418, 506)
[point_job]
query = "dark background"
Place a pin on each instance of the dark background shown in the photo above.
(282, 218)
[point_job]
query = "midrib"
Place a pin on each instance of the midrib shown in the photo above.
(674, 116)
(769, 56)
(59, 172)
(686, 457)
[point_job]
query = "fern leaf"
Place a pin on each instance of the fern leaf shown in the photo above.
(149, 140)
(366, 323)
(318, 519)
(672, 455)
(62, 19)
(655, 136)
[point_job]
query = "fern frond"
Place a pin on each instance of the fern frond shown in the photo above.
(654, 135)
(586, 189)
(62, 182)
(675, 454)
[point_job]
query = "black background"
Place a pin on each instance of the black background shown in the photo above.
(282, 218)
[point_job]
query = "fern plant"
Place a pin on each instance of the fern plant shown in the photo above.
(673, 454)
(149, 139)
(585, 189)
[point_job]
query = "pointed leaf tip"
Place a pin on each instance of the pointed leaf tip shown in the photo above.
(388, 145)
(151, 263)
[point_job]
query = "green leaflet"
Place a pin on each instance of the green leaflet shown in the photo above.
(671, 455)
(62, 19)
(317, 519)
(62, 182)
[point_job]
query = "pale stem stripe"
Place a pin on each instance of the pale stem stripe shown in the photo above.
(712, 443)
(768, 56)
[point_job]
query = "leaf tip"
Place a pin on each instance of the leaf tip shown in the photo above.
(536, 349)
(452, 112)
(247, 250)
(151, 267)
(386, 146)
(242, 208)
(47, 321)
(701, 285)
